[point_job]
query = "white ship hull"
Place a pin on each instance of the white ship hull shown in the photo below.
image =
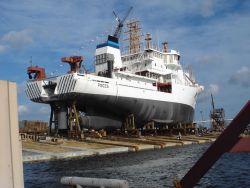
(116, 99)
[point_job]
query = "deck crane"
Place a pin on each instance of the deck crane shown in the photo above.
(119, 27)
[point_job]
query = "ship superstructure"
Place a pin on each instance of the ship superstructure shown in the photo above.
(146, 82)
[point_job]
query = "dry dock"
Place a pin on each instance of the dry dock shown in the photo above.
(40, 151)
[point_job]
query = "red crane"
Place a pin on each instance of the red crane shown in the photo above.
(75, 63)
(36, 73)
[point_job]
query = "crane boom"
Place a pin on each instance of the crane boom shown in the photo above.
(119, 27)
(212, 101)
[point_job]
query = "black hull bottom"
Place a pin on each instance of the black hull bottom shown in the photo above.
(118, 108)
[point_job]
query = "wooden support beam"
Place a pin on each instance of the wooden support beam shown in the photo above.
(74, 123)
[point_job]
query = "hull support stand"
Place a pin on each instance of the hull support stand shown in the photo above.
(74, 123)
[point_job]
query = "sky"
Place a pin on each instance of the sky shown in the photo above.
(212, 36)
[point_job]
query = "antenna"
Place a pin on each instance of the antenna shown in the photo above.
(212, 101)
(158, 42)
(31, 61)
(119, 27)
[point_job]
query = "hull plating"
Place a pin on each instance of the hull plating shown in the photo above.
(118, 99)
(144, 110)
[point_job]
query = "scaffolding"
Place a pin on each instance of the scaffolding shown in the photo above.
(217, 116)
(217, 119)
(134, 37)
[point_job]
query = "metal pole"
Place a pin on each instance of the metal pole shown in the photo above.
(51, 119)
(94, 182)
(224, 143)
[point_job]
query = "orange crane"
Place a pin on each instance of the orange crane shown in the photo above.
(75, 63)
(36, 73)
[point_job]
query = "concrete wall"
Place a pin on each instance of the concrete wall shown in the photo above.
(11, 166)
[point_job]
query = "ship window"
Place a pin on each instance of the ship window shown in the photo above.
(164, 87)
(168, 76)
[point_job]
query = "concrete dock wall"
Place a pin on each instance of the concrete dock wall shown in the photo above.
(11, 166)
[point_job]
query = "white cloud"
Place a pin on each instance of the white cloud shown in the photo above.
(33, 111)
(22, 109)
(241, 77)
(209, 59)
(207, 8)
(211, 89)
(44, 110)
(21, 87)
(2, 48)
(17, 39)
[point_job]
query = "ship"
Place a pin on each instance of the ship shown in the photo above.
(145, 81)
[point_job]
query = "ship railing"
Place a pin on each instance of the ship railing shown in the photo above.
(82, 182)
(137, 57)
(153, 47)
(47, 79)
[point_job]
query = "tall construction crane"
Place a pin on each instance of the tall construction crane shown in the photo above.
(119, 26)
(217, 116)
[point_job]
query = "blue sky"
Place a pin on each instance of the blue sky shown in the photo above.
(213, 37)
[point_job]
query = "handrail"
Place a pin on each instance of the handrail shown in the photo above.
(94, 182)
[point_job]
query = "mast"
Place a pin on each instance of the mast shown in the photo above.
(148, 40)
(165, 47)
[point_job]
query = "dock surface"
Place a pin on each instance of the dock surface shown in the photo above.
(40, 151)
